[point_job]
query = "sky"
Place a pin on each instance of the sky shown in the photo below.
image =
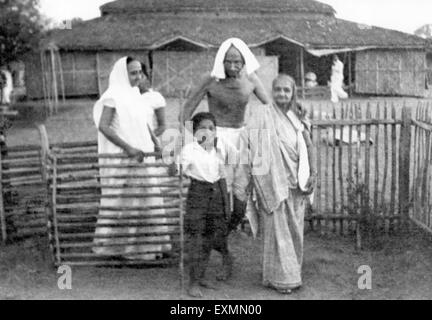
(402, 15)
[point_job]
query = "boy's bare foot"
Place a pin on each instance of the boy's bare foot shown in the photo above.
(226, 272)
(208, 284)
(194, 291)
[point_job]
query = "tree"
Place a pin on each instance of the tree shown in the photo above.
(21, 28)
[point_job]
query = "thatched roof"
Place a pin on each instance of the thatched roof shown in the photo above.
(145, 6)
(151, 31)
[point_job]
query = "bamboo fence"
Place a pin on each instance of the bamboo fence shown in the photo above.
(361, 157)
(373, 168)
(421, 187)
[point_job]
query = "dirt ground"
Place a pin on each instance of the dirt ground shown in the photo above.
(400, 270)
(400, 264)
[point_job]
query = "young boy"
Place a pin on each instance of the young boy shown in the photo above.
(207, 204)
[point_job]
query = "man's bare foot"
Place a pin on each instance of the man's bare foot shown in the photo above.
(208, 284)
(194, 291)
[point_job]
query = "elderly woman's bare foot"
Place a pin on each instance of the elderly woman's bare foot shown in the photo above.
(284, 291)
(194, 291)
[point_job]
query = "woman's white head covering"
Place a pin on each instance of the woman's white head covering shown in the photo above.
(130, 111)
(251, 63)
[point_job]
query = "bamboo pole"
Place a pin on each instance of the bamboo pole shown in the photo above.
(54, 211)
(341, 175)
(139, 216)
(302, 72)
(350, 161)
(377, 158)
(394, 165)
(2, 206)
(320, 176)
(98, 74)
(114, 225)
(119, 263)
(44, 84)
(182, 235)
(350, 73)
(366, 201)
(62, 85)
(54, 75)
(404, 166)
(83, 245)
(358, 224)
(327, 181)
(105, 257)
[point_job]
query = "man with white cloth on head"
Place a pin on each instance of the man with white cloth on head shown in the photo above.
(228, 89)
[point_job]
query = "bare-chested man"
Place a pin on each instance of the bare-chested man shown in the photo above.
(228, 89)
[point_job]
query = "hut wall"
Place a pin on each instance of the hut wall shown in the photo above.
(33, 76)
(86, 73)
(391, 72)
(174, 71)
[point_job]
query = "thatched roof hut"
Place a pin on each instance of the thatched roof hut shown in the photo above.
(178, 40)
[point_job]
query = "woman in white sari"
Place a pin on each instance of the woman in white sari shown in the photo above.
(277, 161)
(122, 122)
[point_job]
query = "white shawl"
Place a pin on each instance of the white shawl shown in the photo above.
(251, 63)
(131, 119)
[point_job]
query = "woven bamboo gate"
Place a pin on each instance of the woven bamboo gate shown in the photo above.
(361, 158)
(421, 168)
(75, 193)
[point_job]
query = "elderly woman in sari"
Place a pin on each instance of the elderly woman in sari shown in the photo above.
(122, 121)
(278, 162)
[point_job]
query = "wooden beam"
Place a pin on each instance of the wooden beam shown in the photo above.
(2, 208)
(404, 165)
(350, 73)
(302, 72)
(54, 75)
(98, 74)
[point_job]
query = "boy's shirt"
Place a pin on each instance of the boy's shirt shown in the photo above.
(202, 165)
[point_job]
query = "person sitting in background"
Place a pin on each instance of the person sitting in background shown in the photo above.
(154, 101)
(311, 80)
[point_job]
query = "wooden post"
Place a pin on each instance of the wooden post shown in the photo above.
(54, 212)
(62, 85)
(54, 75)
(2, 208)
(404, 166)
(44, 150)
(44, 85)
(302, 72)
(98, 74)
(350, 90)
